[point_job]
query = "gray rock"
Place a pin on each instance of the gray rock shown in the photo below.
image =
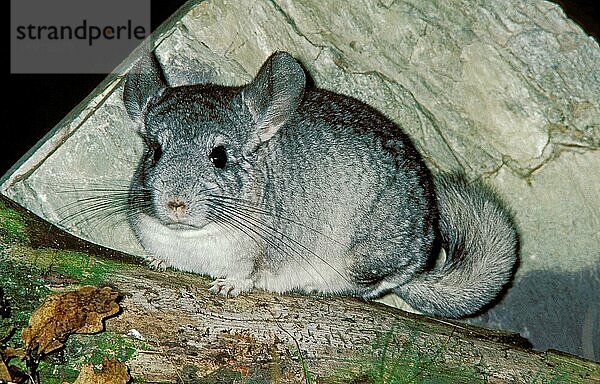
(507, 91)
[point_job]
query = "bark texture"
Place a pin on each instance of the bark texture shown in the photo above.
(174, 330)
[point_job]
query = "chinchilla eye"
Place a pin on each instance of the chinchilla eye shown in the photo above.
(156, 153)
(218, 156)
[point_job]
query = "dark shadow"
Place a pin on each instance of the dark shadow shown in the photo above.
(553, 310)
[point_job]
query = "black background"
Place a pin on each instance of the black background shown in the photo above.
(36, 103)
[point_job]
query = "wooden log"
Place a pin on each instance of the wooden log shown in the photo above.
(171, 329)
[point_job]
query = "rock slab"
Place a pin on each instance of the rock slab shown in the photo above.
(507, 91)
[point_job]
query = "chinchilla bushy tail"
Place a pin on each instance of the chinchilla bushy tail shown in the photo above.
(481, 247)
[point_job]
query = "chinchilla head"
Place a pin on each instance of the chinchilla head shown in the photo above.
(203, 142)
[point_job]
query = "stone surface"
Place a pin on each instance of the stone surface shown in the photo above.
(507, 91)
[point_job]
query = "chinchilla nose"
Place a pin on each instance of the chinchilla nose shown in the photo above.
(177, 207)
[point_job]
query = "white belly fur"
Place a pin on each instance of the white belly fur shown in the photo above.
(212, 250)
(223, 253)
(304, 275)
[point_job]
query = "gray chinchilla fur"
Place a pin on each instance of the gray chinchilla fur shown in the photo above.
(280, 186)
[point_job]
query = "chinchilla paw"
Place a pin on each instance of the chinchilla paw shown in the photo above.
(230, 287)
(156, 263)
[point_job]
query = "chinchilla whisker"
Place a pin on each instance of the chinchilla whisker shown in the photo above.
(105, 190)
(223, 220)
(269, 229)
(71, 211)
(94, 214)
(246, 205)
(106, 207)
(93, 189)
(241, 224)
(298, 244)
(107, 195)
(274, 230)
(106, 222)
(83, 206)
(91, 205)
(228, 226)
(237, 222)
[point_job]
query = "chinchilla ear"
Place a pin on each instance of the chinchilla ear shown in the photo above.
(144, 82)
(274, 94)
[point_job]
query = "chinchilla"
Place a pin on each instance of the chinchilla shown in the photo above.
(284, 187)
